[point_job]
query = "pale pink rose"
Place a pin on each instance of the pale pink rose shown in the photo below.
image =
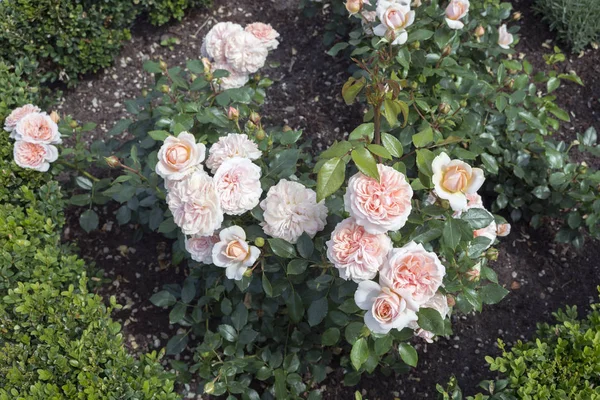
(214, 42)
(10, 123)
(195, 206)
(265, 33)
(233, 81)
(237, 182)
(234, 253)
(454, 179)
(474, 273)
(394, 21)
(386, 309)
(413, 269)
(290, 209)
(505, 39)
(356, 253)
(383, 5)
(231, 146)
(245, 53)
(456, 10)
(475, 201)
(180, 156)
(34, 155)
(379, 206)
(200, 247)
(37, 128)
(438, 302)
(503, 230)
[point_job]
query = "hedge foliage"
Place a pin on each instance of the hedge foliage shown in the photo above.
(17, 87)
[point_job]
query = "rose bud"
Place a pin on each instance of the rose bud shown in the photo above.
(447, 51)
(207, 64)
(233, 114)
(491, 254)
(444, 108)
(286, 128)
(517, 16)
(165, 89)
(54, 117)
(259, 242)
(260, 135)
(113, 161)
(480, 31)
(209, 388)
(163, 65)
(255, 118)
(248, 273)
(73, 124)
(354, 6)
(451, 301)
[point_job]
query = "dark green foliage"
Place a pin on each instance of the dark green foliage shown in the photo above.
(162, 11)
(18, 86)
(575, 21)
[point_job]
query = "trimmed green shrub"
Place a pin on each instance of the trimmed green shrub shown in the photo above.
(18, 86)
(162, 11)
(561, 363)
(575, 22)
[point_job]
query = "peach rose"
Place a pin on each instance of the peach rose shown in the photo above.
(195, 206)
(37, 128)
(415, 270)
(379, 206)
(438, 302)
(474, 273)
(214, 41)
(456, 10)
(200, 247)
(357, 254)
(386, 309)
(245, 53)
(503, 230)
(34, 155)
(505, 39)
(394, 21)
(234, 253)
(474, 201)
(355, 6)
(237, 182)
(290, 209)
(231, 146)
(179, 156)
(10, 123)
(265, 33)
(454, 179)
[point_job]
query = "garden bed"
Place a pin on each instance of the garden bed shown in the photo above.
(541, 274)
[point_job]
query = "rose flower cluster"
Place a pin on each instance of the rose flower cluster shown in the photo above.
(396, 16)
(409, 277)
(35, 133)
(199, 202)
(241, 52)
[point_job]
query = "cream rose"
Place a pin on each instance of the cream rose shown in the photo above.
(214, 41)
(415, 270)
(200, 247)
(233, 252)
(503, 230)
(454, 179)
(438, 302)
(386, 309)
(379, 206)
(231, 146)
(394, 21)
(37, 128)
(179, 156)
(291, 209)
(456, 10)
(233, 81)
(237, 182)
(10, 123)
(245, 53)
(34, 155)
(265, 33)
(195, 206)
(356, 253)
(505, 39)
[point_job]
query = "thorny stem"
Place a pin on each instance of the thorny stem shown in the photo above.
(81, 171)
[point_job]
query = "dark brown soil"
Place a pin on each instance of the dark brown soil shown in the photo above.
(542, 275)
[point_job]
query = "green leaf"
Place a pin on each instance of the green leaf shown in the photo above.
(383, 344)
(195, 66)
(330, 177)
(541, 192)
(477, 218)
(228, 333)
(84, 183)
(330, 337)
(239, 318)
(490, 163)
(590, 137)
(359, 353)
(380, 151)
(317, 311)
(431, 320)
(408, 354)
(152, 66)
(352, 88)
(295, 307)
(419, 34)
(423, 138)
(282, 248)
(297, 266)
(451, 233)
(492, 293)
(391, 109)
(424, 160)
(88, 220)
(392, 144)
(281, 391)
(163, 299)
(305, 246)
(552, 84)
(531, 120)
(267, 287)
(177, 313)
(177, 344)
(365, 162)
(188, 292)
(337, 48)
(363, 131)
(284, 163)
(120, 127)
(159, 136)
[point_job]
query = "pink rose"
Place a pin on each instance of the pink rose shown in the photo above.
(233, 81)
(265, 33)
(214, 42)
(195, 206)
(180, 156)
(34, 155)
(230, 146)
(456, 10)
(415, 270)
(234, 253)
(10, 123)
(386, 309)
(379, 206)
(290, 209)
(245, 53)
(200, 247)
(454, 179)
(505, 39)
(357, 254)
(237, 182)
(37, 128)
(394, 21)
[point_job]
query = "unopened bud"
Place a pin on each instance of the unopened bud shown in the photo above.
(144, 92)
(414, 85)
(444, 108)
(54, 117)
(193, 77)
(165, 89)
(259, 242)
(250, 125)
(270, 142)
(416, 45)
(163, 65)
(447, 51)
(209, 388)
(463, 103)
(261, 135)
(583, 168)
(112, 161)
(233, 114)
(451, 301)
(491, 254)
(517, 16)
(255, 118)
(479, 31)
(510, 83)
(207, 64)
(354, 6)
(575, 142)
(286, 128)
(73, 124)
(248, 273)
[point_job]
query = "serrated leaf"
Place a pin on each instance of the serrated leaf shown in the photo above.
(159, 136)
(408, 354)
(177, 344)
(477, 218)
(88, 220)
(365, 162)
(380, 151)
(359, 353)
(163, 298)
(492, 293)
(330, 177)
(295, 307)
(282, 248)
(392, 144)
(317, 311)
(431, 320)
